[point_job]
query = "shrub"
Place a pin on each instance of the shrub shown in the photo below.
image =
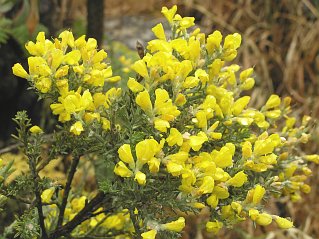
(177, 138)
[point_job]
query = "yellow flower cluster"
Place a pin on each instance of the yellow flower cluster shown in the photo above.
(71, 72)
(184, 122)
(211, 140)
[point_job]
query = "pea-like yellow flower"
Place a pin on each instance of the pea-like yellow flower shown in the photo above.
(273, 102)
(19, 71)
(214, 226)
(47, 194)
(176, 226)
(77, 128)
(169, 13)
(149, 235)
(238, 179)
(158, 30)
(283, 222)
(36, 130)
(134, 86)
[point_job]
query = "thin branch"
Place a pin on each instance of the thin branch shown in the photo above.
(67, 189)
(83, 215)
(38, 201)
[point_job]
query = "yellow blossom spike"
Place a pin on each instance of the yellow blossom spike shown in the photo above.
(176, 226)
(149, 235)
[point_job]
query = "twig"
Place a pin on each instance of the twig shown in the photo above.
(83, 215)
(10, 148)
(38, 201)
(67, 189)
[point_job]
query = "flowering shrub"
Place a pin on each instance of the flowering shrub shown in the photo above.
(177, 138)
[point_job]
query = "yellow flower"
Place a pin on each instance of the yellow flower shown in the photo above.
(246, 149)
(134, 86)
(47, 194)
(223, 158)
(72, 58)
(176, 226)
(169, 13)
(247, 84)
(121, 170)
(213, 42)
(258, 194)
(214, 226)
(196, 141)
(240, 104)
(212, 200)
(144, 101)
(245, 74)
(140, 67)
(78, 204)
(19, 71)
(174, 168)
(106, 124)
(154, 164)
(125, 155)
(158, 30)
(273, 102)
(36, 130)
(175, 137)
(264, 219)
(238, 179)
(161, 125)
(140, 177)
(38, 66)
(283, 222)
(43, 84)
(149, 235)
(207, 185)
(77, 128)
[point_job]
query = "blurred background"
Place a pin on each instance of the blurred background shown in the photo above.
(280, 40)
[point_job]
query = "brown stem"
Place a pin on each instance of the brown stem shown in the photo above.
(84, 214)
(67, 189)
